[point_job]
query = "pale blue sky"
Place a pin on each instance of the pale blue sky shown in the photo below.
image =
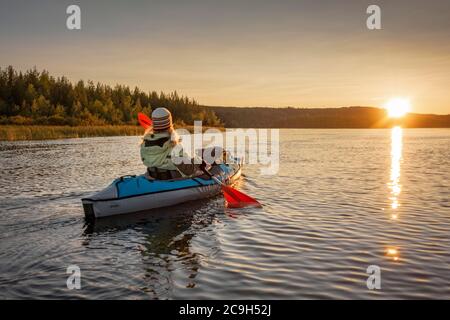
(244, 53)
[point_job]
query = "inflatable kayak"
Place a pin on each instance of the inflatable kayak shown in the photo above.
(130, 194)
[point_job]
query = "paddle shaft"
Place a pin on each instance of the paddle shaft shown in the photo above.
(217, 180)
(211, 175)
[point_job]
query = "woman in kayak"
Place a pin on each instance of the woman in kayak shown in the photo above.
(157, 146)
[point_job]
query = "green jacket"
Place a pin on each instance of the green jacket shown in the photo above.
(157, 156)
(155, 153)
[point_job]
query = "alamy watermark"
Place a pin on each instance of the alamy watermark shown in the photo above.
(73, 21)
(74, 280)
(249, 146)
(374, 280)
(373, 22)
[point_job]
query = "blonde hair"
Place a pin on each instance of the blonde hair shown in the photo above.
(174, 137)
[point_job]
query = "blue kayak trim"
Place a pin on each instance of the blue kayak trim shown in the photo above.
(141, 185)
(131, 186)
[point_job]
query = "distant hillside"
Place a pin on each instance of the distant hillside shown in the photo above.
(348, 117)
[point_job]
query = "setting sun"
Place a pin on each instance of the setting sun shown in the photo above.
(398, 107)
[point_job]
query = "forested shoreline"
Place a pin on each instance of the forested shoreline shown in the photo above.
(38, 98)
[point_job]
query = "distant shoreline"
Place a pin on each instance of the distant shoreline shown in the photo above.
(344, 117)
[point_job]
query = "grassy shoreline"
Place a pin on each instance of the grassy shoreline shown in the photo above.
(36, 132)
(18, 133)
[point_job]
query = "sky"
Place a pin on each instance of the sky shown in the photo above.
(300, 53)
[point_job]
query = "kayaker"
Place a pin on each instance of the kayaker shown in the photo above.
(157, 146)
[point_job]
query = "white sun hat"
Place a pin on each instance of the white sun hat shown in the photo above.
(162, 119)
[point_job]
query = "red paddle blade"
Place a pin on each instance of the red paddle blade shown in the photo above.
(144, 121)
(237, 199)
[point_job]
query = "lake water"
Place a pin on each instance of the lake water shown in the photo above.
(343, 200)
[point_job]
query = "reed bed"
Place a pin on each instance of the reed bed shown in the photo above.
(15, 133)
(33, 132)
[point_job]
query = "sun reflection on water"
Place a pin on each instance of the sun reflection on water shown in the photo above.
(396, 157)
(392, 253)
(395, 188)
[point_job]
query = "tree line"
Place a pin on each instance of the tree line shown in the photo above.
(36, 97)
